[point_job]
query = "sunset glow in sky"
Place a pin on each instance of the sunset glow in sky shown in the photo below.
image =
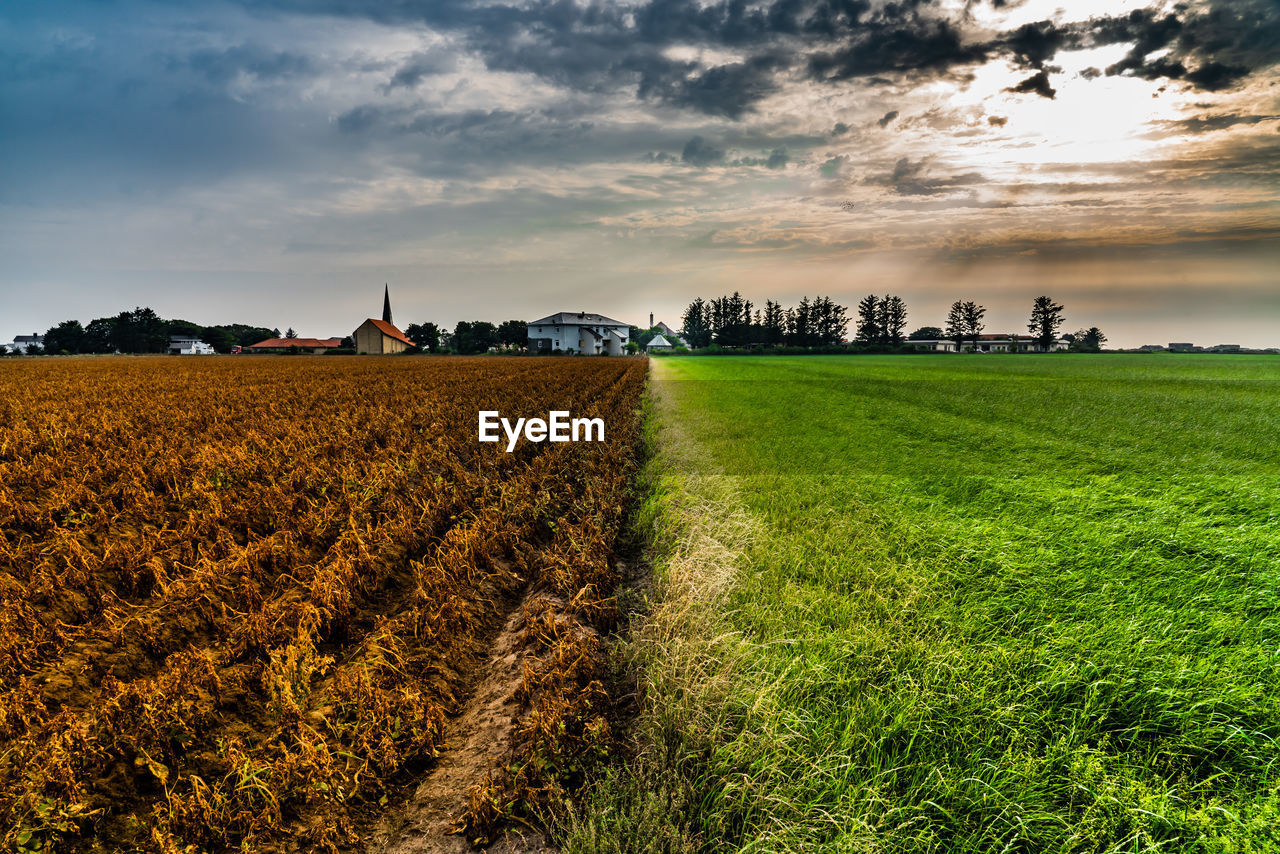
(275, 163)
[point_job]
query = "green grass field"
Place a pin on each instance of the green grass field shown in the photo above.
(976, 603)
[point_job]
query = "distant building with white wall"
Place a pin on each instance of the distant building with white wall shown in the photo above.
(188, 345)
(579, 332)
(990, 343)
(22, 342)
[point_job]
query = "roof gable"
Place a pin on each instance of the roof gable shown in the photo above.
(285, 343)
(577, 318)
(388, 330)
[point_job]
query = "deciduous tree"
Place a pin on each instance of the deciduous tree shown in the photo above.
(66, 337)
(513, 333)
(425, 335)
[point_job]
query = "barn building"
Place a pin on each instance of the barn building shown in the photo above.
(381, 337)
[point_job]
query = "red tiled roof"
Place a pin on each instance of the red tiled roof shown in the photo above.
(389, 330)
(286, 343)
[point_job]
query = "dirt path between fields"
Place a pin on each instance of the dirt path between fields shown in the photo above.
(473, 741)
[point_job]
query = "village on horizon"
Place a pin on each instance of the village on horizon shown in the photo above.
(725, 324)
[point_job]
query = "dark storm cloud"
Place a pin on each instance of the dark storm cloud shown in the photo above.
(1034, 44)
(1212, 47)
(697, 152)
(916, 44)
(725, 90)
(596, 47)
(1214, 76)
(888, 117)
(1037, 83)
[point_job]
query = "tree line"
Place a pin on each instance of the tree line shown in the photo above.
(143, 331)
(880, 324)
(468, 336)
(732, 321)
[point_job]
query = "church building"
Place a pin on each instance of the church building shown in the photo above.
(381, 337)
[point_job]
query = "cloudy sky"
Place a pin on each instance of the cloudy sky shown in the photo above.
(275, 163)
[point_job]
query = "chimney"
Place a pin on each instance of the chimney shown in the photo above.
(651, 320)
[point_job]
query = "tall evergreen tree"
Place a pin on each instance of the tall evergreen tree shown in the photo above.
(869, 320)
(696, 323)
(893, 320)
(973, 325)
(956, 328)
(775, 323)
(832, 321)
(1046, 317)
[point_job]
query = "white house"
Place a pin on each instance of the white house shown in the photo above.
(22, 342)
(579, 332)
(188, 345)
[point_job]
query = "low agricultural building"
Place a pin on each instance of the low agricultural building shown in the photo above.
(294, 345)
(990, 343)
(579, 332)
(659, 343)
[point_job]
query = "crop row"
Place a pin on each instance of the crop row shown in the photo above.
(237, 597)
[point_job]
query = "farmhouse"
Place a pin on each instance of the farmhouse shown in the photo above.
(579, 332)
(381, 337)
(295, 345)
(188, 345)
(22, 342)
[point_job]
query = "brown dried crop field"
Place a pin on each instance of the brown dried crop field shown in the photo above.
(241, 597)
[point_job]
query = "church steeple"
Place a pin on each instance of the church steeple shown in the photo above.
(386, 303)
